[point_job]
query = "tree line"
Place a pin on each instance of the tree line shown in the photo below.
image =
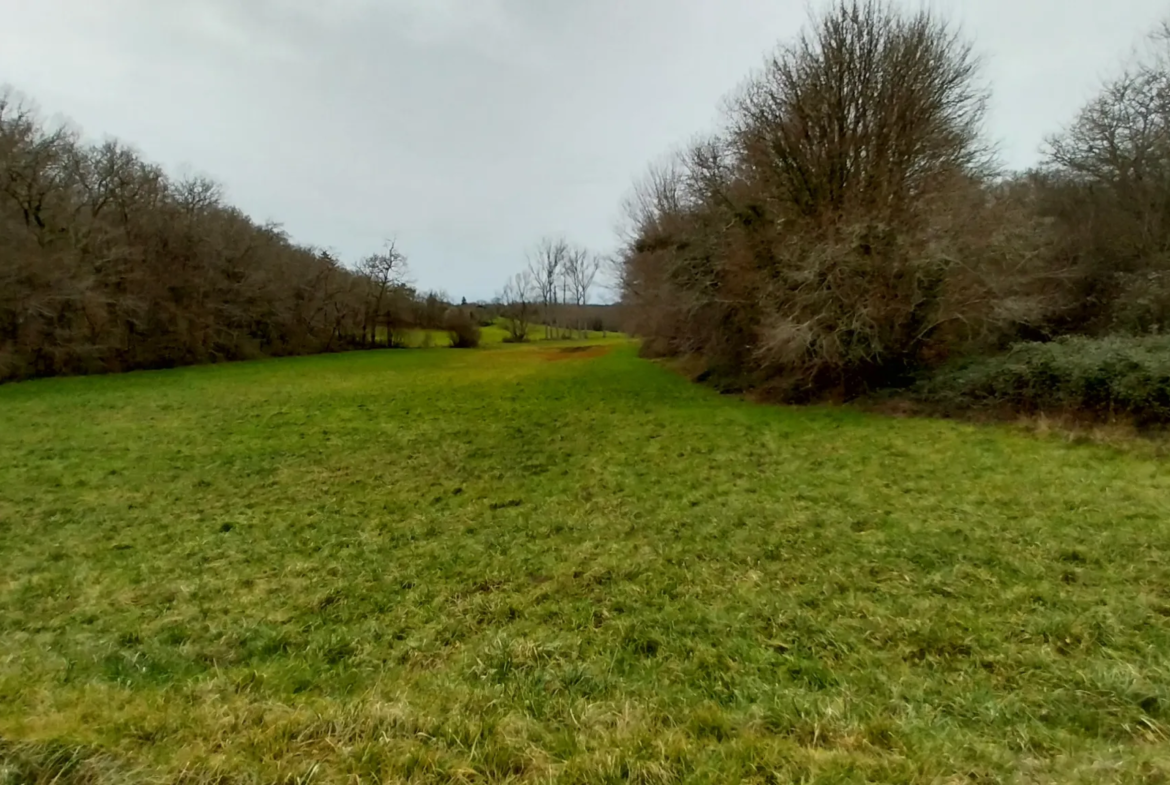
(109, 264)
(554, 292)
(849, 228)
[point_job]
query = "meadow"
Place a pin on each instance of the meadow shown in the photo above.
(548, 564)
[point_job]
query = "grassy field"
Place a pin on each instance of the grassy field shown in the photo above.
(526, 565)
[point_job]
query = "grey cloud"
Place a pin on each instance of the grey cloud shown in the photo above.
(471, 127)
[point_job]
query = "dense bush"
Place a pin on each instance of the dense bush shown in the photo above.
(1103, 377)
(462, 329)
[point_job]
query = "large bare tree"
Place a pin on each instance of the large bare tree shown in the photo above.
(518, 306)
(579, 273)
(386, 271)
(828, 236)
(545, 264)
(1107, 183)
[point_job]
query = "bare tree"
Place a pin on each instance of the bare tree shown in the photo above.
(869, 108)
(385, 271)
(1107, 182)
(819, 239)
(545, 265)
(517, 306)
(579, 274)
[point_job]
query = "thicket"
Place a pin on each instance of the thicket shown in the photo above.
(849, 229)
(1114, 376)
(462, 329)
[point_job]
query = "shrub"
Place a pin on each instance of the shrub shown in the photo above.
(1104, 378)
(464, 332)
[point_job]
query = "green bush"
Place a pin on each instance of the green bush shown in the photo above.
(1105, 378)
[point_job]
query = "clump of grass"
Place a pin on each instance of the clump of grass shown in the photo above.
(492, 566)
(49, 763)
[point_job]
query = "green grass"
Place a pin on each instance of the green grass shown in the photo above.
(520, 565)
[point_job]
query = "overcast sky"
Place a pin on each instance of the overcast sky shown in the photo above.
(469, 128)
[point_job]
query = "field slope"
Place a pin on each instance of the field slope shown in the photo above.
(527, 565)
